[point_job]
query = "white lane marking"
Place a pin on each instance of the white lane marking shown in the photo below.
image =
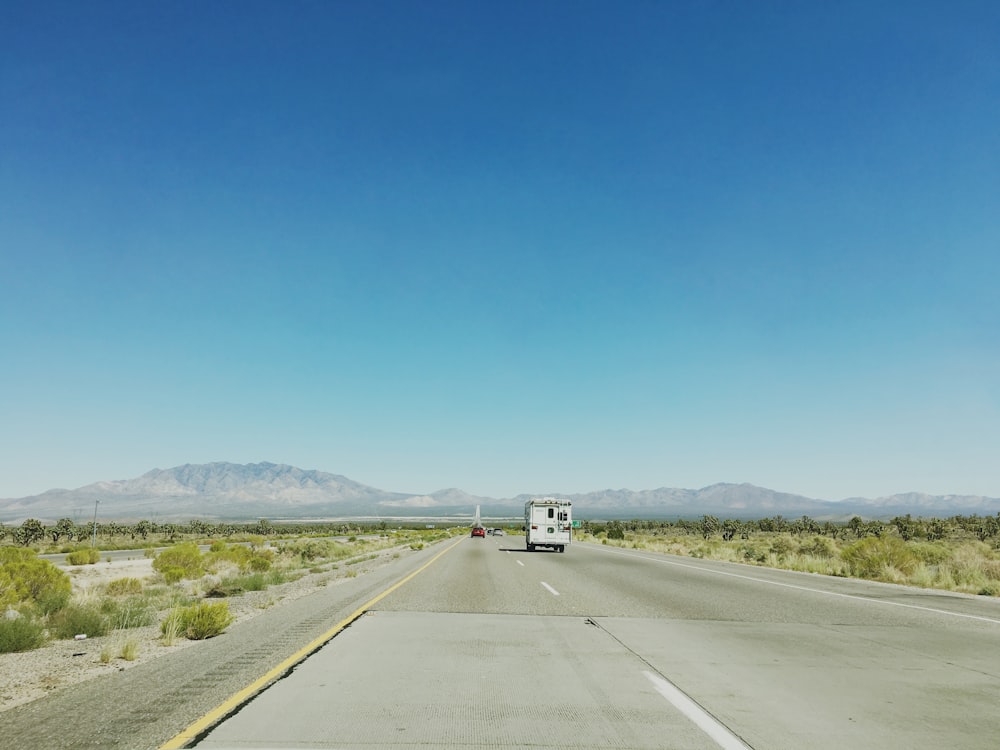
(520, 563)
(806, 588)
(704, 720)
(551, 590)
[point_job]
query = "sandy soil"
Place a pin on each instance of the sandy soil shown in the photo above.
(31, 675)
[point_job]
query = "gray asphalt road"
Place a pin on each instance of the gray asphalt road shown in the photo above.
(496, 647)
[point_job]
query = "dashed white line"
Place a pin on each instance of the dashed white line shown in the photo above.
(520, 563)
(550, 589)
(704, 720)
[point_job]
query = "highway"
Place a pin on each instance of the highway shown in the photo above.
(492, 646)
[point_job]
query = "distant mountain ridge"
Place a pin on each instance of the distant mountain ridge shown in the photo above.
(227, 491)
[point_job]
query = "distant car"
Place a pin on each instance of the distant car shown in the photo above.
(479, 531)
(497, 532)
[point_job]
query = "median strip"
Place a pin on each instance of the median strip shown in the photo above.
(225, 708)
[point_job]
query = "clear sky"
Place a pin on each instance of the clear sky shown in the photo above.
(517, 246)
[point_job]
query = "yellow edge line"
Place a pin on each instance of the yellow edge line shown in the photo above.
(224, 708)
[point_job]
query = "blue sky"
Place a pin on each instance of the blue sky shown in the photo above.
(508, 247)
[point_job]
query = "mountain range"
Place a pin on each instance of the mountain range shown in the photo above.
(233, 492)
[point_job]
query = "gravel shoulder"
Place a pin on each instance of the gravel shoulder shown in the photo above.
(26, 677)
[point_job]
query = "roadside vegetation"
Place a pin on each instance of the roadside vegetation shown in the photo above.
(187, 596)
(961, 553)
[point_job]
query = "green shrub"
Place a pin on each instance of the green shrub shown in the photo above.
(752, 553)
(781, 546)
(819, 546)
(236, 585)
(173, 574)
(85, 556)
(52, 600)
(79, 618)
(26, 578)
(260, 563)
(179, 562)
(198, 621)
(931, 553)
(244, 557)
(133, 612)
(871, 557)
(309, 550)
(251, 582)
(20, 634)
(123, 587)
(129, 650)
(615, 530)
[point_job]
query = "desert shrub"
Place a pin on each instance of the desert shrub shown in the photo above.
(84, 556)
(26, 578)
(819, 546)
(930, 553)
(123, 587)
(751, 553)
(991, 569)
(180, 562)
(79, 618)
(244, 557)
(20, 633)
(133, 612)
(236, 585)
(129, 650)
(781, 546)
(173, 574)
(308, 550)
(260, 563)
(615, 530)
(970, 566)
(198, 621)
(52, 600)
(253, 582)
(872, 556)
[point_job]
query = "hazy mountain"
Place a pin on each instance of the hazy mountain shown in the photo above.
(216, 490)
(277, 491)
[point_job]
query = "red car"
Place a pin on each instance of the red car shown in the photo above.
(479, 531)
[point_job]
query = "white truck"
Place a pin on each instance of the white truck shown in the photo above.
(548, 522)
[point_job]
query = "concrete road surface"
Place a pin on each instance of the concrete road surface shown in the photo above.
(492, 646)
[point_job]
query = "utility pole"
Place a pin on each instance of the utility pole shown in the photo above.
(94, 542)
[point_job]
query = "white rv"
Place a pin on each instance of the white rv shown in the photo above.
(548, 522)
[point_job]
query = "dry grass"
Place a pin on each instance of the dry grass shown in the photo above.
(967, 566)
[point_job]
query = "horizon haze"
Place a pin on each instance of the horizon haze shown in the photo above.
(227, 491)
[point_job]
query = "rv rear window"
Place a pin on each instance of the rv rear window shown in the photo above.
(552, 512)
